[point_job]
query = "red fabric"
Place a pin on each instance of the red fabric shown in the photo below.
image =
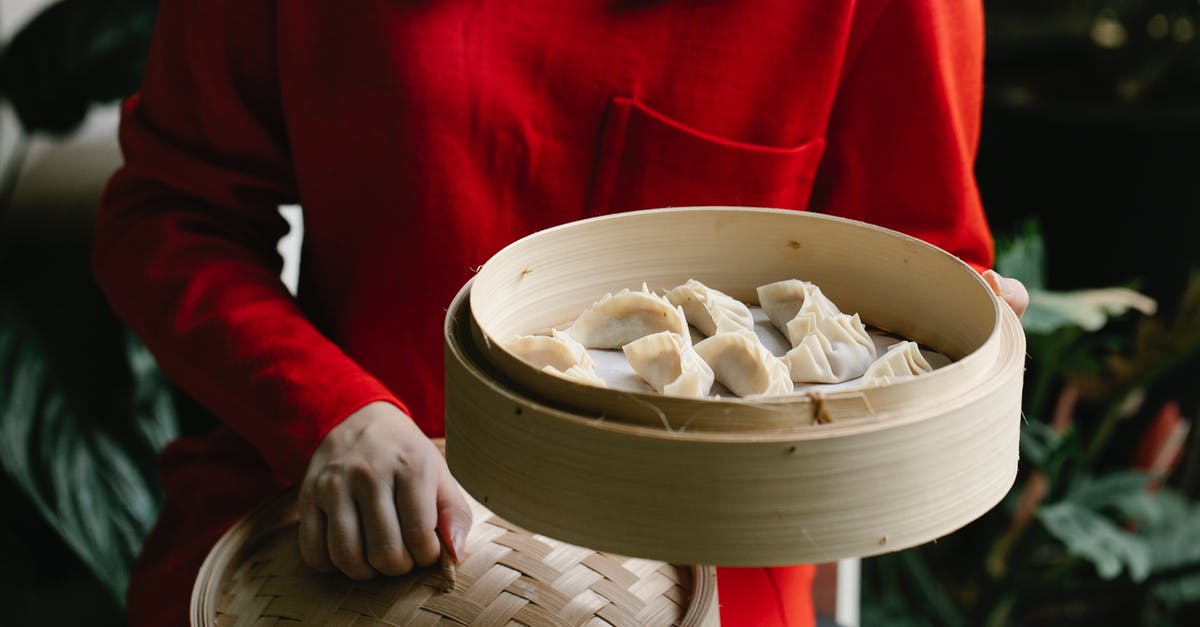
(420, 137)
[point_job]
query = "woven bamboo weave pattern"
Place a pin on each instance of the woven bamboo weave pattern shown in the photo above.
(510, 577)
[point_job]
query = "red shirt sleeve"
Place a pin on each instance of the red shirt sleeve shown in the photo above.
(904, 129)
(186, 237)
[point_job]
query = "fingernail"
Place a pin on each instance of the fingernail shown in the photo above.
(993, 280)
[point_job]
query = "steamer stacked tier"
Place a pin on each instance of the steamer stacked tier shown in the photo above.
(801, 478)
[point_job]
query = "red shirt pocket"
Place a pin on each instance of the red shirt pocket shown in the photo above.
(649, 160)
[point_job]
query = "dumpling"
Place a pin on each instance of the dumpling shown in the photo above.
(795, 307)
(702, 304)
(618, 319)
(741, 363)
(557, 354)
(838, 350)
(559, 350)
(901, 361)
(578, 374)
(667, 361)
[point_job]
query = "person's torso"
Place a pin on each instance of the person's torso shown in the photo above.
(426, 135)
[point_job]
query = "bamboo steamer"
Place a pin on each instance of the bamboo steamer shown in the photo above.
(254, 576)
(808, 478)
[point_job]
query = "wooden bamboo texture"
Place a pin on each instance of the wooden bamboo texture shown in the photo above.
(255, 577)
(807, 479)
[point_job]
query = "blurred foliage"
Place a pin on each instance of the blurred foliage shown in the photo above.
(1098, 529)
(73, 54)
(92, 484)
(1124, 51)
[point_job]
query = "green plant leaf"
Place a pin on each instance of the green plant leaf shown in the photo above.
(86, 485)
(152, 399)
(1118, 523)
(1023, 256)
(1093, 520)
(1038, 441)
(1087, 309)
(879, 612)
(1095, 538)
(933, 596)
(1062, 459)
(1174, 542)
(1125, 494)
(891, 594)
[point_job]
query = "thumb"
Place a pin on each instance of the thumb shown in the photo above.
(1011, 291)
(454, 516)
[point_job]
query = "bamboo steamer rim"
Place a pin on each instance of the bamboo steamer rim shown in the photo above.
(736, 499)
(278, 514)
(863, 408)
(898, 465)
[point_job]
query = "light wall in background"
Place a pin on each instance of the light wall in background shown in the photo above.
(62, 177)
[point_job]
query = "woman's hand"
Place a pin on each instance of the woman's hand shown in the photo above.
(1011, 290)
(376, 498)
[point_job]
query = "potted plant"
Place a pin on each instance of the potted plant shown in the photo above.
(1103, 524)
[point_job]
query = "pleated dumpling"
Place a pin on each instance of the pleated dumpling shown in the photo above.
(795, 307)
(702, 304)
(667, 361)
(557, 354)
(618, 319)
(557, 349)
(838, 350)
(741, 363)
(901, 361)
(578, 374)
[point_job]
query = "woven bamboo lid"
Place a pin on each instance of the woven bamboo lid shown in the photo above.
(254, 576)
(809, 478)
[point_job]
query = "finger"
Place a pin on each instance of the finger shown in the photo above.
(1010, 291)
(992, 278)
(381, 527)
(344, 536)
(416, 502)
(454, 516)
(1015, 294)
(313, 544)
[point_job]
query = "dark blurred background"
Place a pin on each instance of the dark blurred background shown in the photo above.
(1089, 166)
(1092, 125)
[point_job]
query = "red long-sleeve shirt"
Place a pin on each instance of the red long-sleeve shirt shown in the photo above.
(421, 137)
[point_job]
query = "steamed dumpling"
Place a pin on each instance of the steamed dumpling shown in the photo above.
(795, 307)
(557, 354)
(901, 361)
(618, 319)
(558, 349)
(667, 361)
(578, 374)
(702, 304)
(741, 363)
(838, 350)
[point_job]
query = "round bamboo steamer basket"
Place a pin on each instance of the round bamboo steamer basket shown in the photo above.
(254, 576)
(807, 478)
